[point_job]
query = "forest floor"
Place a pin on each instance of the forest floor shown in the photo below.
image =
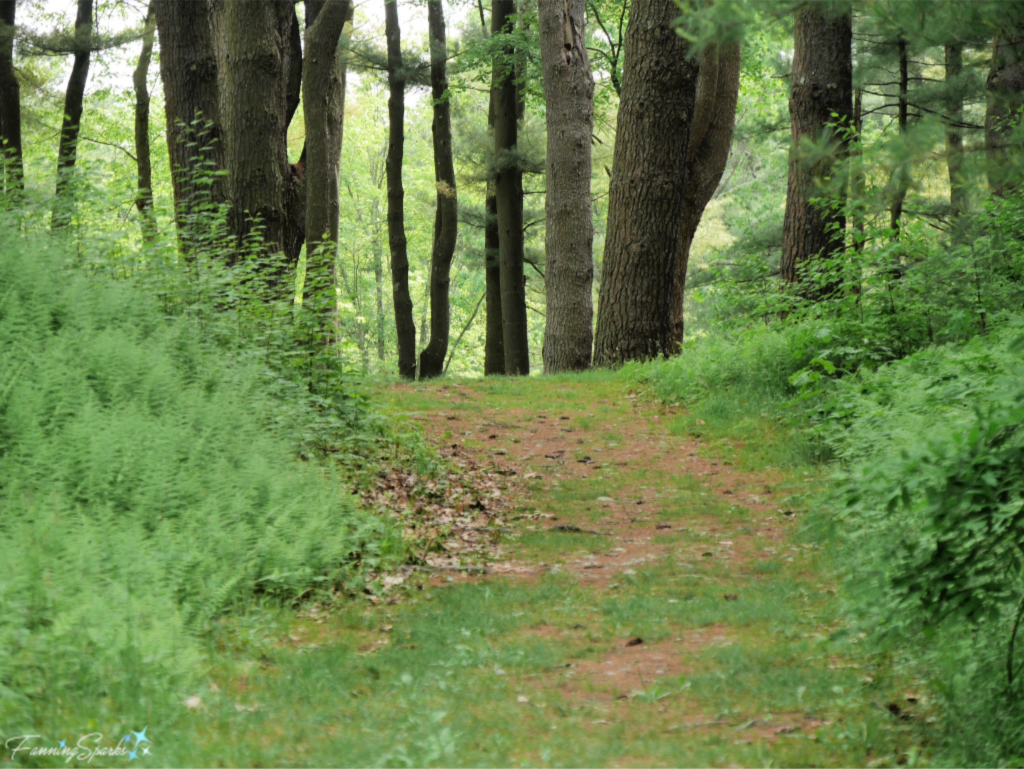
(619, 586)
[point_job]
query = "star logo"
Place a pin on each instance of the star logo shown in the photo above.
(141, 737)
(132, 756)
(63, 743)
(145, 750)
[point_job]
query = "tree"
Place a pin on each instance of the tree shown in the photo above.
(323, 89)
(569, 234)
(189, 70)
(953, 54)
(508, 188)
(74, 102)
(645, 205)
(821, 97)
(144, 196)
(714, 119)
(404, 323)
(1003, 109)
(10, 100)
(446, 216)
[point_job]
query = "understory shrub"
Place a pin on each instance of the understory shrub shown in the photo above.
(149, 482)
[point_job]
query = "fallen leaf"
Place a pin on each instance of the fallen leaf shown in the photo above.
(193, 702)
(634, 641)
(521, 698)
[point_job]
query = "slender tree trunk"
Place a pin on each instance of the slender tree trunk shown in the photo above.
(323, 92)
(714, 119)
(508, 188)
(189, 69)
(293, 88)
(446, 224)
(958, 198)
(74, 100)
(900, 182)
(858, 179)
(10, 101)
(378, 276)
(405, 326)
(494, 343)
(1002, 114)
(144, 196)
(822, 87)
(569, 234)
(646, 195)
(256, 83)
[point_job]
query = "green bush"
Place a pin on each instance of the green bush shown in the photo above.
(148, 483)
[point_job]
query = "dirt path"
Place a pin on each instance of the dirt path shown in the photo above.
(600, 584)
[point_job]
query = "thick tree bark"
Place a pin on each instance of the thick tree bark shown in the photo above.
(569, 234)
(405, 326)
(494, 342)
(10, 101)
(900, 182)
(714, 119)
(144, 196)
(74, 101)
(822, 86)
(189, 69)
(293, 91)
(509, 195)
(1002, 114)
(257, 33)
(323, 91)
(446, 216)
(958, 198)
(645, 201)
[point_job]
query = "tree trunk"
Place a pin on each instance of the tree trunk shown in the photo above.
(405, 326)
(293, 89)
(714, 119)
(646, 193)
(569, 234)
(74, 99)
(494, 343)
(900, 182)
(508, 188)
(10, 101)
(858, 178)
(257, 33)
(1002, 114)
(958, 199)
(378, 276)
(144, 196)
(822, 85)
(446, 224)
(189, 70)
(323, 91)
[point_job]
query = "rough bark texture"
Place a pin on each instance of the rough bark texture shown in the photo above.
(256, 83)
(144, 196)
(405, 326)
(446, 215)
(714, 119)
(569, 233)
(74, 100)
(900, 182)
(1002, 116)
(195, 127)
(822, 85)
(294, 87)
(494, 342)
(10, 100)
(645, 201)
(958, 198)
(323, 90)
(509, 194)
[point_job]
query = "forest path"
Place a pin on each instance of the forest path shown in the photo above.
(610, 585)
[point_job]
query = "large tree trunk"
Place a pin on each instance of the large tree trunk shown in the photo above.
(509, 195)
(958, 198)
(446, 216)
(494, 342)
(645, 200)
(257, 33)
(405, 326)
(323, 92)
(144, 196)
(10, 101)
(900, 182)
(1002, 114)
(569, 234)
(189, 55)
(714, 119)
(822, 87)
(74, 100)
